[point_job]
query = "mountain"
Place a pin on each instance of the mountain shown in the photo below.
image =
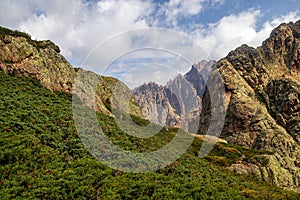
(22, 56)
(177, 103)
(262, 103)
(42, 155)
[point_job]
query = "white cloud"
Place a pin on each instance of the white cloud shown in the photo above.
(76, 26)
(12, 13)
(188, 7)
(141, 74)
(268, 26)
(173, 10)
(234, 30)
(146, 46)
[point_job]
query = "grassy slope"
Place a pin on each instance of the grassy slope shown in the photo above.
(41, 155)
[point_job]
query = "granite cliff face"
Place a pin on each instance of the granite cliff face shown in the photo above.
(40, 60)
(20, 55)
(177, 103)
(263, 104)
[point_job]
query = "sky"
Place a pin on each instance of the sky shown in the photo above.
(139, 41)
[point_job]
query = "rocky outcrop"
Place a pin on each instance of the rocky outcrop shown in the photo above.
(20, 55)
(178, 103)
(271, 168)
(209, 138)
(262, 104)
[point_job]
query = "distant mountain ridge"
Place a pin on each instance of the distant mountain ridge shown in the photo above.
(177, 103)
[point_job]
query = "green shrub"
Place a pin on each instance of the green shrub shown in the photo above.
(42, 157)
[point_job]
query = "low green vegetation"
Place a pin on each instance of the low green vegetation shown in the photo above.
(227, 154)
(6, 31)
(42, 156)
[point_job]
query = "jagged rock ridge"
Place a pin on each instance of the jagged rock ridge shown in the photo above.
(177, 103)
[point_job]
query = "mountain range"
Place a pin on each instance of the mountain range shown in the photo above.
(261, 101)
(261, 105)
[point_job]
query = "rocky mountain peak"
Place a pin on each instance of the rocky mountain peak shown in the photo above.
(262, 103)
(180, 97)
(151, 86)
(198, 75)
